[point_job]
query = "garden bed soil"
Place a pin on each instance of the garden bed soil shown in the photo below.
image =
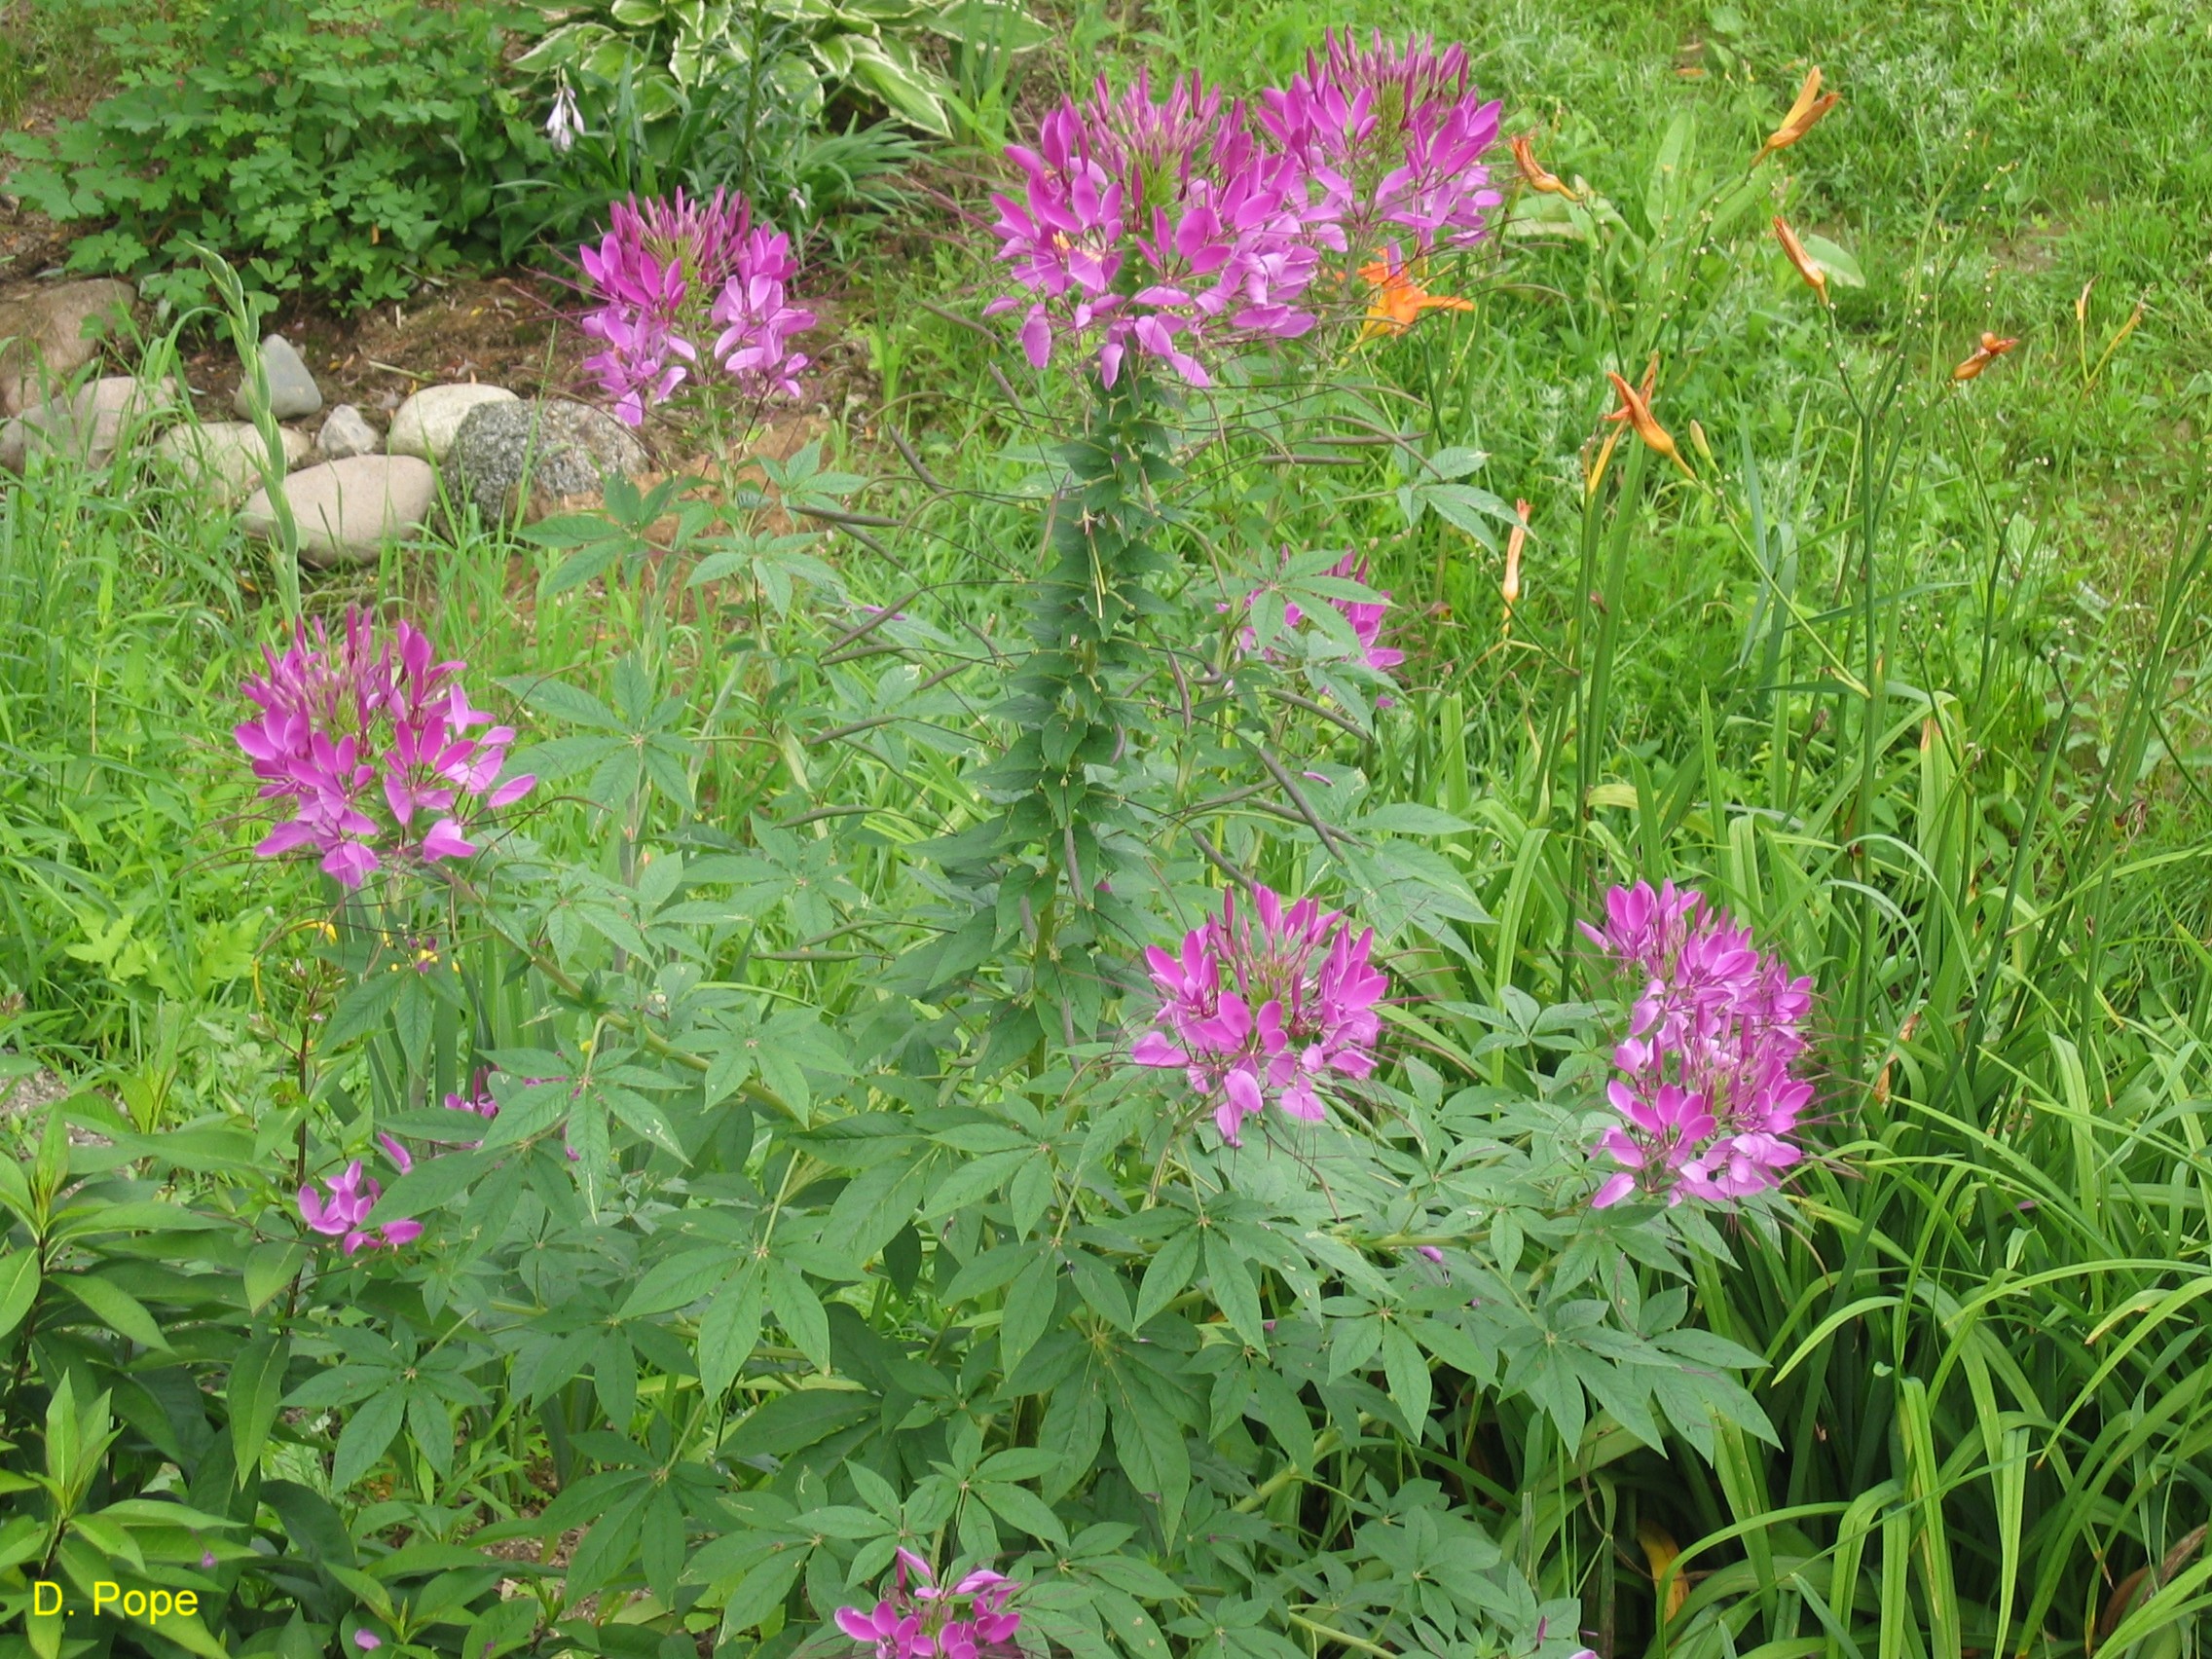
(516, 329)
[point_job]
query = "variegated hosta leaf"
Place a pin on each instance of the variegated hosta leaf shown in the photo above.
(567, 46)
(888, 69)
(988, 23)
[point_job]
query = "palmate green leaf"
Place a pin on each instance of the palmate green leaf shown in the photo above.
(1029, 1304)
(613, 1538)
(1020, 1507)
(761, 1591)
(973, 1179)
(1173, 1264)
(1235, 1292)
(730, 1329)
(430, 1185)
(679, 1281)
(1149, 1442)
(566, 702)
(363, 1009)
(368, 1431)
(1408, 1375)
(798, 1310)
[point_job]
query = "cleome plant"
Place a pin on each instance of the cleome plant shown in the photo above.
(954, 1066)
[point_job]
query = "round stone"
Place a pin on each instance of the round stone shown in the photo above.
(224, 457)
(346, 433)
(50, 333)
(91, 424)
(558, 446)
(292, 391)
(347, 510)
(425, 423)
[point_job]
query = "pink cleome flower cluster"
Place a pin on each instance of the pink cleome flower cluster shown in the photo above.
(340, 1214)
(1176, 227)
(1709, 1088)
(968, 1620)
(1395, 139)
(685, 285)
(369, 740)
(1364, 615)
(1269, 1012)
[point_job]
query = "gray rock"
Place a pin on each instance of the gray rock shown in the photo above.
(561, 448)
(425, 423)
(91, 424)
(345, 434)
(48, 334)
(224, 457)
(347, 510)
(292, 391)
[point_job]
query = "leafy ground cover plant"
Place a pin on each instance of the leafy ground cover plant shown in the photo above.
(341, 148)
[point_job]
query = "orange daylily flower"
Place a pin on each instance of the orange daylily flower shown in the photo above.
(1808, 267)
(1803, 115)
(1398, 300)
(1533, 171)
(1635, 411)
(1593, 473)
(1991, 348)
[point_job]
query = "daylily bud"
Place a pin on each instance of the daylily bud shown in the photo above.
(1808, 267)
(1532, 172)
(1991, 348)
(1635, 411)
(1803, 115)
(1510, 589)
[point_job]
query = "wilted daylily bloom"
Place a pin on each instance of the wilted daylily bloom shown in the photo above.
(1532, 172)
(1398, 300)
(1635, 411)
(1808, 267)
(1992, 348)
(1803, 115)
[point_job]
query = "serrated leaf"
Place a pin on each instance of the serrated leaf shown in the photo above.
(1233, 1291)
(1020, 1507)
(730, 1330)
(1167, 1272)
(1029, 1304)
(799, 1311)
(366, 1434)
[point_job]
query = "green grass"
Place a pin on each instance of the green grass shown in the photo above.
(50, 56)
(1922, 695)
